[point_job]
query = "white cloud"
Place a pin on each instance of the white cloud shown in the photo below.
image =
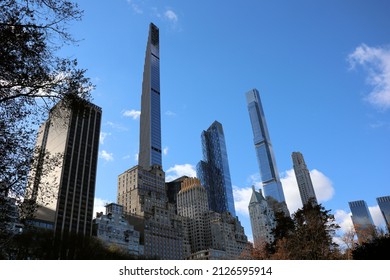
(376, 61)
(343, 219)
(134, 114)
(165, 151)
(103, 136)
(106, 155)
(241, 199)
(170, 113)
(377, 216)
(323, 188)
(136, 157)
(171, 16)
(116, 126)
(180, 170)
(99, 206)
(136, 8)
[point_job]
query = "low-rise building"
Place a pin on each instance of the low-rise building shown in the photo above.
(113, 229)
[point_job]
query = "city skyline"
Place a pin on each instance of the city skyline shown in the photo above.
(310, 75)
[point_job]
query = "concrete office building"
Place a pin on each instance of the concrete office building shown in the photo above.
(192, 203)
(64, 193)
(227, 234)
(302, 174)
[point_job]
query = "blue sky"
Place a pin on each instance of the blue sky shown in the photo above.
(322, 69)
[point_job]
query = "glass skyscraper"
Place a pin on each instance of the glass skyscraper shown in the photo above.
(362, 220)
(141, 189)
(384, 205)
(213, 171)
(272, 186)
(150, 123)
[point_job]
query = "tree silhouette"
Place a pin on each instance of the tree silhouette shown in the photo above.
(376, 248)
(308, 235)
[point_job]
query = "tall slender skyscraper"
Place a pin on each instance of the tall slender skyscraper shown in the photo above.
(141, 189)
(150, 123)
(384, 205)
(272, 186)
(362, 220)
(213, 171)
(72, 131)
(302, 175)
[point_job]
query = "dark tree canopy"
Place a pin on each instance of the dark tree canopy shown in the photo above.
(307, 235)
(377, 248)
(30, 33)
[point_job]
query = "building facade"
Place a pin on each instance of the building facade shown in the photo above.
(141, 189)
(213, 171)
(142, 194)
(272, 186)
(262, 219)
(150, 122)
(173, 188)
(362, 220)
(64, 190)
(113, 229)
(302, 174)
(384, 206)
(192, 203)
(227, 234)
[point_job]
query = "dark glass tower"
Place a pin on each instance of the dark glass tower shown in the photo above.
(384, 206)
(150, 124)
(265, 156)
(213, 171)
(362, 220)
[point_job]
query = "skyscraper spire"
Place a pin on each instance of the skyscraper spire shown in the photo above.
(150, 124)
